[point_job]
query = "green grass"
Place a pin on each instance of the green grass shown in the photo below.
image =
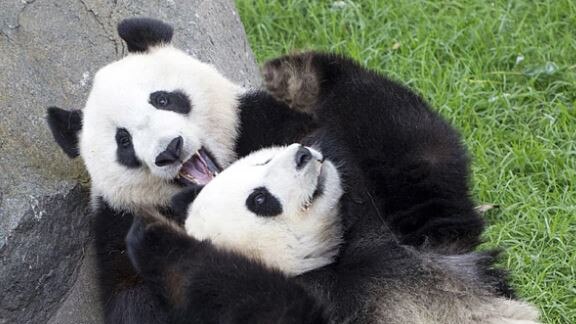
(483, 65)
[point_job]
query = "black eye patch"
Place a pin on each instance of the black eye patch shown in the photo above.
(125, 149)
(262, 203)
(175, 101)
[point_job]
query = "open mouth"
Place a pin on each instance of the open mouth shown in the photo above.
(318, 190)
(199, 169)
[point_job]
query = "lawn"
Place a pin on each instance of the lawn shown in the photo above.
(504, 72)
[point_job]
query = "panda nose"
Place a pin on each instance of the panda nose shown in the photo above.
(303, 156)
(171, 154)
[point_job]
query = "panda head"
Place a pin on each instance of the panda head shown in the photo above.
(278, 205)
(154, 120)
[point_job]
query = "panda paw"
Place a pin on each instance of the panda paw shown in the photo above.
(138, 242)
(150, 242)
(294, 80)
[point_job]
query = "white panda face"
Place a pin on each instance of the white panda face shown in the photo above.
(148, 115)
(279, 205)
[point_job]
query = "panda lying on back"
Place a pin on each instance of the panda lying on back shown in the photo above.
(294, 209)
(159, 119)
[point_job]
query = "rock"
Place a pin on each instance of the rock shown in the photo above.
(50, 51)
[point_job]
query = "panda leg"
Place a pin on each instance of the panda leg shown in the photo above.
(311, 82)
(293, 80)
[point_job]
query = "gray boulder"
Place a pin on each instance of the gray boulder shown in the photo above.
(49, 52)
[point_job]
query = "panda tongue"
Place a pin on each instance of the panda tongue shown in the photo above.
(198, 169)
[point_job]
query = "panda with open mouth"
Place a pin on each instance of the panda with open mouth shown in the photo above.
(273, 199)
(288, 216)
(263, 227)
(155, 121)
(159, 120)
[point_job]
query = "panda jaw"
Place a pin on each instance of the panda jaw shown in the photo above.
(313, 240)
(318, 191)
(199, 169)
(315, 246)
(304, 246)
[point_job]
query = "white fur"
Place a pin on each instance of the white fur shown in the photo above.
(119, 99)
(454, 308)
(300, 239)
(448, 294)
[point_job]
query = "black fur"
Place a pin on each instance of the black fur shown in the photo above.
(175, 101)
(65, 126)
(182, 200)
(414, 162)
(142, 33)
(416, 174)
(262, 203)
(372, 129)
(205, 285)
(265, 122)
(125, 296)
(125, 153)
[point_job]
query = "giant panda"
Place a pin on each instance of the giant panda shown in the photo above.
(294, 209)
(159, 119)
(276, 215)
(154, 121)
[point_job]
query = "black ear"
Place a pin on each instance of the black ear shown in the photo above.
(65, 126)
(182, 200)
(142, 33)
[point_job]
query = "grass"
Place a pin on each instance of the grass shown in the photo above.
(504, 72)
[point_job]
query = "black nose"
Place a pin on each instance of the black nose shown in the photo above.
(303, 156)
(171, 154)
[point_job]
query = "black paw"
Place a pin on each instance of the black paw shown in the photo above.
(148, 240)
(181, 202)
(294, 80)
(151, 241)
(135, 241)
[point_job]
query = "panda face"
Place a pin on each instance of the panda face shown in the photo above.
(278, 205)
(155, 119)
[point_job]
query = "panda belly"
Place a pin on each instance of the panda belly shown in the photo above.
(444, 302)
(377, 280)
(406, 292)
